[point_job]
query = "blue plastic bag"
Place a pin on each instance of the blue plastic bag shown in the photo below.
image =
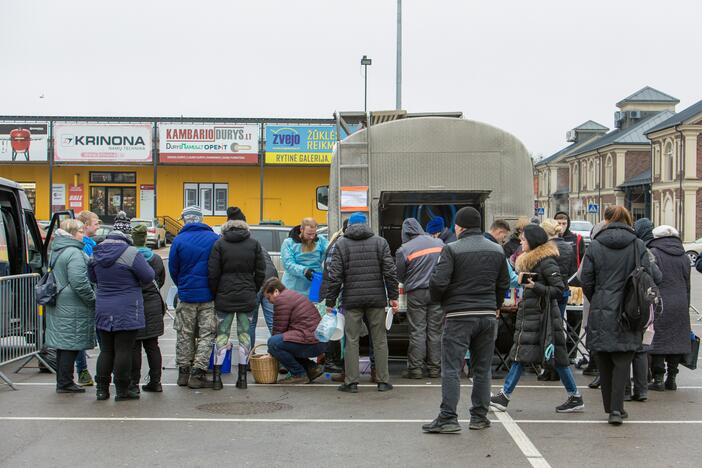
(315, 287)
(326, 328)
(226, 364)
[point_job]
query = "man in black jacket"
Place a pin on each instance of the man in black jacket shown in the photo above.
(470, 281)
(362, 264)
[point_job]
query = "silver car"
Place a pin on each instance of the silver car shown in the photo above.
(271, 238)
(155, 232)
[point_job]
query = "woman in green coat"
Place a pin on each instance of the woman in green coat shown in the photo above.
(70, 324)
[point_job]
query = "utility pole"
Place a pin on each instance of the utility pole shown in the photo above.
(398, 72)
(365, 61)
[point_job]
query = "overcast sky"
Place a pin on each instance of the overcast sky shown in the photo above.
(534, 68)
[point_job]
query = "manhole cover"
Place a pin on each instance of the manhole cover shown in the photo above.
(244, 408)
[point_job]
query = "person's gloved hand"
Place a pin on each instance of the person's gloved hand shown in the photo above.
(550, 349)
(308, 274)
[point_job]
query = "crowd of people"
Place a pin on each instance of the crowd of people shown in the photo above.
(456, 279)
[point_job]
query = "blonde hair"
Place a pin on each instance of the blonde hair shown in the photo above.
(552, 228)
(307, 245)
(308, 222)
(71, 226)
(522, 222)
(86, 216)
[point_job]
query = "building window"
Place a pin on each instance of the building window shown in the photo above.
(583, 171)
(113, 177)
(576, 178)
(669, 166)
(657, 160)
(211, 198)
(609, 172)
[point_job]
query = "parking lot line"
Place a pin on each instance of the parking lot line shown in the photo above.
(522, 441)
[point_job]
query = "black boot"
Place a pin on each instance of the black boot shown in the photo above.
(595, 382)
(198, 379)
(154, 384)
(183, 376)
(657, 385)
(217, 378)
(241, 380)
(591, 368)
(124, 392)
(102, 391)
(134, 386)
(670, 380)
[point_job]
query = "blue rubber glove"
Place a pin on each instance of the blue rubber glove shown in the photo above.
(550, 349)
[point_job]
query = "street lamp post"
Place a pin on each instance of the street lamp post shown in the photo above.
(365, 61)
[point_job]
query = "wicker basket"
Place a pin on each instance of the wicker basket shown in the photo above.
(264, 367)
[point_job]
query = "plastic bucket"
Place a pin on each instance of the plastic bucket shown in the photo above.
(315, 287)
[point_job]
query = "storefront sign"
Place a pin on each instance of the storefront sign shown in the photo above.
(75, 198)
(112, 143)
(23, 141)
(300, 144)
(58, 197)
(208, 143)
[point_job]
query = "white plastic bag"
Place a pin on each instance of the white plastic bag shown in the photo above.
(326, 328)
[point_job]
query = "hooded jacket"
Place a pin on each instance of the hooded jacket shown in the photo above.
(644, 231)
(565, 259)
(237, 269)
(540, 300)
(673, 325)
(154, 307)
(119, 272)
(88, 246)
(361, 262)
(295, 261)
(417, 257)
(608, 262)
(574, 240)
(470, 276)
(70, 324)
(447, 236)
(295, 317)
(187, 262)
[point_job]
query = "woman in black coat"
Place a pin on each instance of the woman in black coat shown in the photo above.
(531, 327)
(672, 338)
(154, 310)
(607, 264)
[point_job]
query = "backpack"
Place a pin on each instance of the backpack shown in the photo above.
(46, 291)
(642, 298)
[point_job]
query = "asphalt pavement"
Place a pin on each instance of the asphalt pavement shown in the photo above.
(315, 425)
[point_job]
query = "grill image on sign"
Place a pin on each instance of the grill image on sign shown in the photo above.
(244, 408)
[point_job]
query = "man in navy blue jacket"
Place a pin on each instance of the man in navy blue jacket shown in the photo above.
(195, 321)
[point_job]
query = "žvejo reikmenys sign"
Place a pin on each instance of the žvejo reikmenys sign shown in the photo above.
(115, 143)
(300, 144)
(208, 143)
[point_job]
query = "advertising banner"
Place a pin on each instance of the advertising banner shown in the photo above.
(294, 144)
(58, 197)
(23, 141)
(204, 143)
(112, 143)
(75, 198)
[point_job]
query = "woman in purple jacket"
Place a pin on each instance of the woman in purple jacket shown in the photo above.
(119, 271)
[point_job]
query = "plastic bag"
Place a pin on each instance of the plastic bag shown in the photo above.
(326, 328)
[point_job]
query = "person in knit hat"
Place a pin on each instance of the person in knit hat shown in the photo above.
(436, 227)
(122, 223)
(154, 309)
(234, 213)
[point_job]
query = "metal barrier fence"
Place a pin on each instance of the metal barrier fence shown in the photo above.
(21, 327)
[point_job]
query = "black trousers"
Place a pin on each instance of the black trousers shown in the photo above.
(64, 367)
(614, 376)
(658, 362)
(153, 356)
(115, 356)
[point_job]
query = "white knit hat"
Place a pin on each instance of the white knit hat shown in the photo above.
(665, 231)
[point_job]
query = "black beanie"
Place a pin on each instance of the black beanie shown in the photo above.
(535, 235)
(468, 217)
(234, 213)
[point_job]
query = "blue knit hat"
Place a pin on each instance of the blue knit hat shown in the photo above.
(436, 224)
(358, 218)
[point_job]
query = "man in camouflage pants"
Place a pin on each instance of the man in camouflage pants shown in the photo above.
(195, 320)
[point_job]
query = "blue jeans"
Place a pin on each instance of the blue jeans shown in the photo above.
(81, 362)
(294, 356)
(267, 316)
(515, 372)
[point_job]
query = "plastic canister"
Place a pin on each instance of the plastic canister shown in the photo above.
(315, 287)
(402, 300)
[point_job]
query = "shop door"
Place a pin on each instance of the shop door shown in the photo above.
(106, 202)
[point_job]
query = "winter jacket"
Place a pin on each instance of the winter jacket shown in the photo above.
(538, 301)
(471, 275)
(295, 261)
(119, 271)
(447, 236)
(237, 269)
(271, 270)
(362, 264)
(187, 262)
(607, 264)
(575, 240)
(70, 324)
(88, 246)
(327, 259)
(513, 277)
(295, 317)
(511, 246)
(417, 257)
(154, 307)
(565, 259)
(673, 326)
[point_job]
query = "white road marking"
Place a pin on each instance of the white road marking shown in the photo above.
(523, 442)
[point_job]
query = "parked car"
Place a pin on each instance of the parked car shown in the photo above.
(155, 232)
(583, 228)
(693, 250)
(270, 236)
(102, 232)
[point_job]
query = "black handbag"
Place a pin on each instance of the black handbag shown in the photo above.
(690, 359)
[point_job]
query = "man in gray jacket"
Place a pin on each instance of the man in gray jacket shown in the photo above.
(415, 262)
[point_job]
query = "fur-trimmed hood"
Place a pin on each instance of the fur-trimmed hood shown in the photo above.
(235, 231)
(529, 260)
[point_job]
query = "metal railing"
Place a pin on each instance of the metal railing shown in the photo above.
(172, 226)
(21, 325)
